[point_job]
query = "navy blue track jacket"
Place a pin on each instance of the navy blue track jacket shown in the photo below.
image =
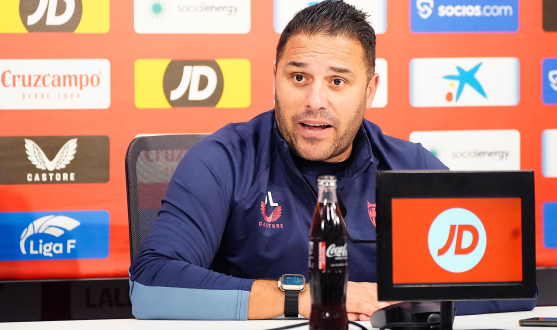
(238, 209)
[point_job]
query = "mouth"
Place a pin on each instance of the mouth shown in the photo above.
(314, 126)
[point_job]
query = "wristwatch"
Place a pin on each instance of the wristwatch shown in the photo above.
(292, 285)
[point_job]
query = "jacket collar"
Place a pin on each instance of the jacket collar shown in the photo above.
(363, 155)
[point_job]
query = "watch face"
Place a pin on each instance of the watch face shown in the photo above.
(292, 280)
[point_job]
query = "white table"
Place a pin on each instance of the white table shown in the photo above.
(485, 321)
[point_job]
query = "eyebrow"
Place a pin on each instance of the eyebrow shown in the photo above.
(331, 68)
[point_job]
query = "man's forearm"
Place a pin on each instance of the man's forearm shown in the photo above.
(266, 300)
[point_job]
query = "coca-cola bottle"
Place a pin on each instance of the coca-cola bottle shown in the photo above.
(328, 260)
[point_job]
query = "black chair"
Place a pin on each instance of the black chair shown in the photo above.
(150, 163)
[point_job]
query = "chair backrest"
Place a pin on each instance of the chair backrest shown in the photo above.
(150, 163)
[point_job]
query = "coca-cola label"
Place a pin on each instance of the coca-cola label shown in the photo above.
(322, 258)
(328, 254)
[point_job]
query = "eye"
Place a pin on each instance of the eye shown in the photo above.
(299, 77)
(338, 82)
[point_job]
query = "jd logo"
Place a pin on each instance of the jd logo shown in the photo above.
(193, 83)
(50, 15)
(457, 240)
(425, 8)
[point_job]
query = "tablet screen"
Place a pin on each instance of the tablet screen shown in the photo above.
(456, 240)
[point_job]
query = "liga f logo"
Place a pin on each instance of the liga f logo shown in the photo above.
(457, 240)
(222, 83)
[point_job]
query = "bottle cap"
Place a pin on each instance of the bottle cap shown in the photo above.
(327, 181)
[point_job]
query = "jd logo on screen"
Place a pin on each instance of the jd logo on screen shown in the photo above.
(222, 83)
(464, 16)
(457, 240)
(53, 235)
(464, 78)
(549, 76)
(80, 16)
(425, 8)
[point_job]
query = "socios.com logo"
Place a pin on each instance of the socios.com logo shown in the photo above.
(54, 235)
(549, 78)
(457, 240)
(79, 16)
(464, 15)
(222, 83)
(425, 8)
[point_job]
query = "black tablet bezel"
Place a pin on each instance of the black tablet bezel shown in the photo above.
(453, 184)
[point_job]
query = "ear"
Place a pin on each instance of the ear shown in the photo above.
(371, 89)
(274, 80)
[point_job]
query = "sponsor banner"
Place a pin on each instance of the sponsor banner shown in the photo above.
(165, 83)
(549, 80)
(550, 225)
(54, 235)
(487, 150)
(549, 15)
(54, 159)
(79, 16)
(430, 16)
(456, 240)
(54, 84)
(469, 81)
(192, 16)
(381, 96)
(549, 153)
(376, 9)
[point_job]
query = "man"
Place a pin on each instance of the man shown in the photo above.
(239, 206)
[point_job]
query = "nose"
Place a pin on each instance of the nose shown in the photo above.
(316, 98)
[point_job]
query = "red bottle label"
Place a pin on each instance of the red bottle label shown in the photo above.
(322, 255)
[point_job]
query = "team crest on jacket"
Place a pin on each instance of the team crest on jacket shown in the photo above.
(269, 221)
(371, 212)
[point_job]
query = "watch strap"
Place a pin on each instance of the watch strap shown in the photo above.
(291, 303)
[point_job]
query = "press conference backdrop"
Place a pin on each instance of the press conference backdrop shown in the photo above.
(475, 81)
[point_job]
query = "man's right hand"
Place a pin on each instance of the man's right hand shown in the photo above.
(361, 301)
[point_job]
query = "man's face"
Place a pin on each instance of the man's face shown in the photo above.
(321, 93)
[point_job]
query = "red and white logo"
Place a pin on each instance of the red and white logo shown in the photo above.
(275, 214)
(371, 213)
(55, 84)
(457, 240)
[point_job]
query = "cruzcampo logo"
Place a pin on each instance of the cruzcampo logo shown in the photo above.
(222, 83)
(79, 16)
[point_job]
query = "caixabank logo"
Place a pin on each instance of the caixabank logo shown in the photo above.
(430, 16)
(54, 159)
(79, 16)
(54, 84)
(468, 81)
(54, 235)
(164, 83)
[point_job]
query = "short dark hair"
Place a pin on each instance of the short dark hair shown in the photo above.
(332, 18)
